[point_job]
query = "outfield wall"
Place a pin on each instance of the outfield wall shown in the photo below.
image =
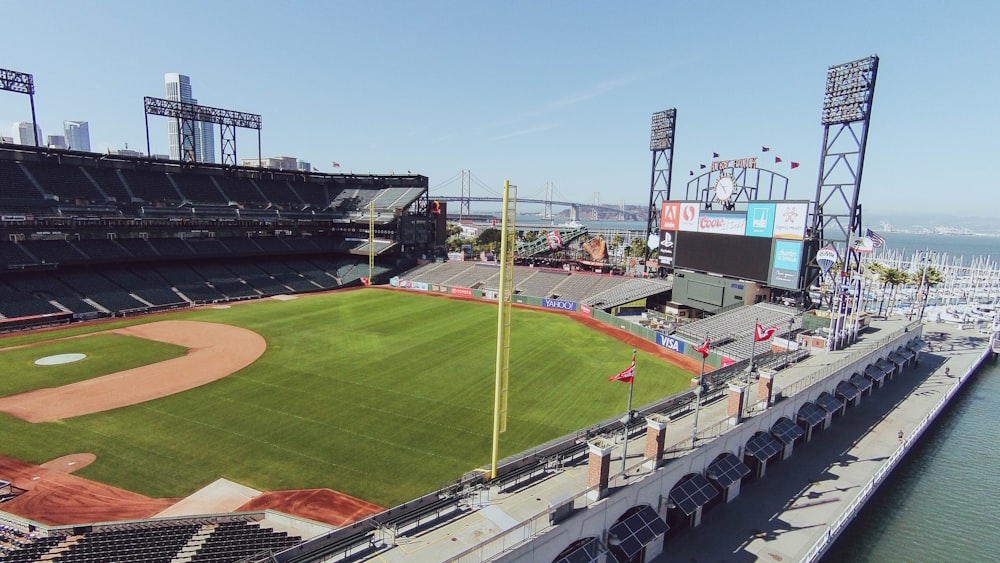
(672, 343)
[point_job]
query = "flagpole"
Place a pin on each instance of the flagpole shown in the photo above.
(697, 393)
(753, 352)
(628, 414)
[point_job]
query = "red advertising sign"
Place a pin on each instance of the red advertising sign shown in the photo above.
(461, 291)
(670, 216)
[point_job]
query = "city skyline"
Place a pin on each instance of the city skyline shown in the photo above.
(197, 137)
(535, 93)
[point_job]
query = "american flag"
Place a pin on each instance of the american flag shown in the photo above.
(877, 240)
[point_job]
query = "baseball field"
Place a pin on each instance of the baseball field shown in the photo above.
(384, 395)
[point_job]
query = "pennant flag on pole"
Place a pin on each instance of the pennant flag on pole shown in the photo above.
(715, 155)
(702, 166)
(764, 333)
(625, 375)
(765, 149)
(703, 349)
(877, 240)
(777, 159)
(690, 172)
(336, 165)
(795, 165)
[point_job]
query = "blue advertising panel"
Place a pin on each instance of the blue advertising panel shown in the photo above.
(559, 304)
(786, 263)
(760, 219)
(670, 343)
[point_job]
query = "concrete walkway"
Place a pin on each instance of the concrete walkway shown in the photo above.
(783, 516)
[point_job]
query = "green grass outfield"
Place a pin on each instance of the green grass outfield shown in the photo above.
(383, 395)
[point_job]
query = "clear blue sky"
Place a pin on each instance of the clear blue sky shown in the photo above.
(534, 91)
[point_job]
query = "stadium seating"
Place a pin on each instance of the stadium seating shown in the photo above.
(732, 332)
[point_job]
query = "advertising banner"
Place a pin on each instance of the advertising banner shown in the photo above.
(407, 284)
(666, 248)
(670, 216)
(670, 343)
(559, 304)
(790, 220)
(723, 223)
(690, 211)
(585, 309)
(786, 263)
(461, 291)
(760, 219)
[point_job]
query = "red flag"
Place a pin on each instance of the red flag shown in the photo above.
(777, 159)
(764, 333)
(795, 165)
(765, 149)
(715, 155)
(703, 349)
(626, 375)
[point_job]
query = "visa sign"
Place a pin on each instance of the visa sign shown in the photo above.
(670, 343)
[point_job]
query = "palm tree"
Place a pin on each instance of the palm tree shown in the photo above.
(895, 278)
(925, 278)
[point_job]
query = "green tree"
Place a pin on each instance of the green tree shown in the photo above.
(637, 246)
(895, 278)
(489, 240)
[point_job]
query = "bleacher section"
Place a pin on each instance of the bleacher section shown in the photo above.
(731, 333)
(149, 541)
(600, 291)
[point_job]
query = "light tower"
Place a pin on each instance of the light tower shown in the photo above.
(661, 144)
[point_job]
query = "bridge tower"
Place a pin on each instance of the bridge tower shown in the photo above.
(661, 144)
(594, 215)
(547, 210)
(836, 221)
(463, 208)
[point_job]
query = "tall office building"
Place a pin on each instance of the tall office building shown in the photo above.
(55, 141)
(23, 135)
(201, 135)
(77, 135)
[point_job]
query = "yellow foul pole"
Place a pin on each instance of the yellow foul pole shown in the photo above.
(508, 237)
(371, 240)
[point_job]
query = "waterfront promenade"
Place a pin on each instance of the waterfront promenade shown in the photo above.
(793, 513)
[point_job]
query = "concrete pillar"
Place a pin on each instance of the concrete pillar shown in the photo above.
(765, 385)
(598, 467)
(734, 407)
(656, 434)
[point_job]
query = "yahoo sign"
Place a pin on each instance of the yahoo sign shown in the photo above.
(559, 304)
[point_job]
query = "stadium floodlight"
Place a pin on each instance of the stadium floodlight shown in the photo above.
(13, 81)
(186, 112)
(21, 83)
(849, 91)
(662, 136)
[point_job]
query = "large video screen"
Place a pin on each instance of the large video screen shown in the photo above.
(742, 257)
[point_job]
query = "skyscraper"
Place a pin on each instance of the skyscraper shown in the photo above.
(23, 135)
(55, 141)
(77, 135)
(201, 135)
